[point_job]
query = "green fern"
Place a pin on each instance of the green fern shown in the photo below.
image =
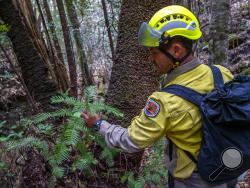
(154, 171)
(90, 93)
(98, 107)
(61, 152)
(72, 135)
(58, 172)
(28, 142)
(84, 163)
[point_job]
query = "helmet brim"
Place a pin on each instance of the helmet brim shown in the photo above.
(148, 36)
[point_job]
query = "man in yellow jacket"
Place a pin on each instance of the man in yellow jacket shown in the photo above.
(169, 35)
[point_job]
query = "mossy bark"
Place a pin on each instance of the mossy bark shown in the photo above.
(133, 76)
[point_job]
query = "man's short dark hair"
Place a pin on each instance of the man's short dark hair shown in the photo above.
(187, 43)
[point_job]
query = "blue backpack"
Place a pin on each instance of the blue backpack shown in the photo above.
(225, 149)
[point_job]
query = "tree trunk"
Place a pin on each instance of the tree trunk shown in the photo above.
(35, 67)
(87, 80)
(133, 77)
(219, 29)
(55, 51)
(68, 46)
(111, 43)
(53, 30)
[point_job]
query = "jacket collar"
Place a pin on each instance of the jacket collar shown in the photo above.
(195, 62)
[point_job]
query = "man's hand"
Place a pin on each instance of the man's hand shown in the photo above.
(90, 120)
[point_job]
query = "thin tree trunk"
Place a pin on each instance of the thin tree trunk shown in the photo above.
(58, 66)
(47, 36)
(53, 30)
(219, 29)
(111, 43)
(29, 5)
(68, 46)
(87, 80)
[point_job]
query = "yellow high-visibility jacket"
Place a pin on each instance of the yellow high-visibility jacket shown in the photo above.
(168, 115)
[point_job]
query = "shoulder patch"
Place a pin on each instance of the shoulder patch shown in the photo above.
(152, 108)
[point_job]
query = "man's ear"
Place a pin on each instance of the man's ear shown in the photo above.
(178, 50)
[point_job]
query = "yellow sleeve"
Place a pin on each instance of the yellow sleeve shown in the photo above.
(151, 124)
(226, 74)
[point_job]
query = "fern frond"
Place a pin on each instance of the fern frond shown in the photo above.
(61, 153)
(71, 135)
(21, 144)
(52, 182)
(107, 154)
(131, 180)
(155, 178)
(66, 100)
(81, 164)
(90, 93)
(25, 122)
(98, 107)
(41, 117)
(58, 172)
(62, 112)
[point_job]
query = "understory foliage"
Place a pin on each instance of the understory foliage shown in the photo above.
(69, 141)
(66, 143)
(154, 171)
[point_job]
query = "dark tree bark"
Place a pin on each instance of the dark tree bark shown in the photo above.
(53, 30)
(87, 79)
(68, 46)
(37, 74)
(219, 29)
(55, 52)
(133, 77)
(111, 43)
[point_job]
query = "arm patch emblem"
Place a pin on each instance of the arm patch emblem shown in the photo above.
(152, 108)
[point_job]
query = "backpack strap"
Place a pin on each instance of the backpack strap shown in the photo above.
(185, 93)
(191, 157)
(193, 97)
(190, 95)
(218, 79)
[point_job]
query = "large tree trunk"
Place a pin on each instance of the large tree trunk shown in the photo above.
(87, 79)
(31, 55)
(68, 46)
(132, 78)
(219, 29)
